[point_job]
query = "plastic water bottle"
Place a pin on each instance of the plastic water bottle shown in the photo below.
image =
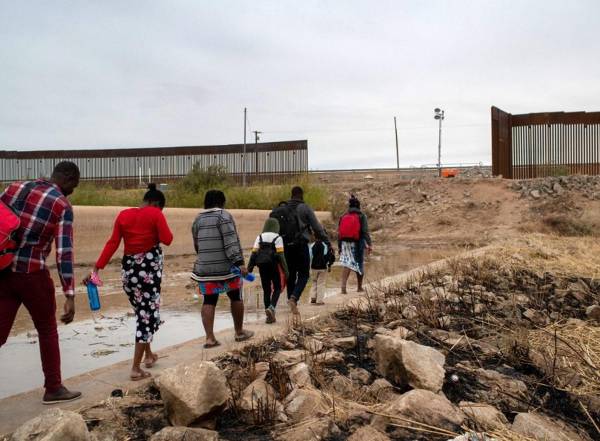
(93, 297)
(248, 277)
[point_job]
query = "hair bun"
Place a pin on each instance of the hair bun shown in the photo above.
(152, 186)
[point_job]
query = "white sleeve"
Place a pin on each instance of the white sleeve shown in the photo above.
(279, 242)
(257, 242)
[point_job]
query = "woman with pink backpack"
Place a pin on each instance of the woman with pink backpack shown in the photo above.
(353, 239)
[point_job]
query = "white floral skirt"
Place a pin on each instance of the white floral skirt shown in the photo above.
(142, 275)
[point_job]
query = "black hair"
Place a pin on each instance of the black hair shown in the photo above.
(155, 195)
(66, 170)
(297, 193)
(214, 199)
(353, 202)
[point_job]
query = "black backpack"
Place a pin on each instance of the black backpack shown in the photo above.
(289, 223)
(265, 256)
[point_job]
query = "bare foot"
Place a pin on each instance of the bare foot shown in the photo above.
(139, 374)
(149, 362)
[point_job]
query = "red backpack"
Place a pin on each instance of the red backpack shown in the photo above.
(350, 227)
(10, 222)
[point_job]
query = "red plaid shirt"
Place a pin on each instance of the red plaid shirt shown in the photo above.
(47, 217)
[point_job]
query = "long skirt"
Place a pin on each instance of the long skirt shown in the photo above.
(142, 274)
(352, 256)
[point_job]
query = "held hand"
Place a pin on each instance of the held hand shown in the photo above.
(69, 309)
(87, 278)
(243, 270)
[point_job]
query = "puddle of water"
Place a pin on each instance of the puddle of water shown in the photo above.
(87, 345)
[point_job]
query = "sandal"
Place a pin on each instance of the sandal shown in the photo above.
(211, 345)
(247, 335)
(140, 376)
(150, 363)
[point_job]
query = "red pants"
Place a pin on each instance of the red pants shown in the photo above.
(36, 292)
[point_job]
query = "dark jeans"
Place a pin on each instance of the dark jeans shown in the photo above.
(298, 260)
(36, 292)
(271, 284)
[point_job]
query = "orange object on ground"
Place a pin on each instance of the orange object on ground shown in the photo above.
(449, 172)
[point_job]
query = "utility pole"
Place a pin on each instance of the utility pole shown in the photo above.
(397, 153)
(244, 152)
(256, 138)
(439, 115)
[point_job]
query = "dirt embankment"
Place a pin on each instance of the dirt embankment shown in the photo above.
(474, 211)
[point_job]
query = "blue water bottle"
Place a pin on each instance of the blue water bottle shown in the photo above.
(93, 297)
(248, 277)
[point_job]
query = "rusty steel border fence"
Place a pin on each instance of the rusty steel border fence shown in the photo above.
(536, 145)
(267, 161)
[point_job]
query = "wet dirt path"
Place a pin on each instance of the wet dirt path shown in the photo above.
(106, 337)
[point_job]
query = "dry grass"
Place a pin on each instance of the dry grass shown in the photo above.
(570, 355)
(509, 435)
(569, 226)
(543, 253)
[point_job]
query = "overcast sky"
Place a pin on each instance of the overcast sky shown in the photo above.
(92, 74)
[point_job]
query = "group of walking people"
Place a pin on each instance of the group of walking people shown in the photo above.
(293, 244)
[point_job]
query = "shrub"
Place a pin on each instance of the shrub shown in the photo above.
(569, 226)
(198, 178)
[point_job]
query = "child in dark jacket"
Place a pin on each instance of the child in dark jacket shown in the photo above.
(322, 258)
(269, 256)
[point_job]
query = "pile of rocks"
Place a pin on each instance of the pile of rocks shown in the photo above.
(476, 172)
(550, 187)
(421, 361)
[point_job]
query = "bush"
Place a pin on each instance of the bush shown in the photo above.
(215, 176)
(569, 226)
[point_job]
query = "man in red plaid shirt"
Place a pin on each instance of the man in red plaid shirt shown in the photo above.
(46, 217)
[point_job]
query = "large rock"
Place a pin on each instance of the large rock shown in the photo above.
(360, 375)
(193, 392)
(507, 392)
(484, 416)
(185, 434)
(408, 363)
(260, 397)
(261, 370)
(309, 430)
(422, 406)
(330, 358)
(593, 312)
(543, 428)
(313, 345)
(300, 375)
(301, 404)
(368, 433)
(290, 358)
(382, 390)
(345, 343)
(53, 425)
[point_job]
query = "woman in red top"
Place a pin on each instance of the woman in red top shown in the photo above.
(142, 229)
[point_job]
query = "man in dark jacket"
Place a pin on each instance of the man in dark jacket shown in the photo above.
(297, 254)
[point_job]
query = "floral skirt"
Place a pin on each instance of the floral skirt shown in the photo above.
(141, 275)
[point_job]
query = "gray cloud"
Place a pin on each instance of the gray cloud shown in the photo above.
(150, 73)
